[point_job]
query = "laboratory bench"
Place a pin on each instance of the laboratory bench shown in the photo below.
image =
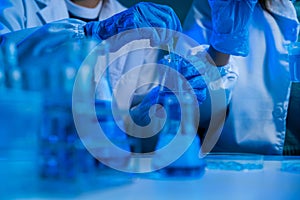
(229, 176)
(225, 176)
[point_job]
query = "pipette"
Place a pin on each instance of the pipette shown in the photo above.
(171, 62)
(175, 64)
(2, 71)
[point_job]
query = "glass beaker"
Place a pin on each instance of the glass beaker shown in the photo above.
(178, 148)
(294, 61)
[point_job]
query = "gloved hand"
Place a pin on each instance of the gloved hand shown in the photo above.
(140, 113)
(47, 39)
(50, 36)
(230, 19)
(144, 20)
(192, 74)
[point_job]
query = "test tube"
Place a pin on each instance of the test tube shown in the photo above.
(170, 58)
(2, 72)
(13, 70)
(175, 64)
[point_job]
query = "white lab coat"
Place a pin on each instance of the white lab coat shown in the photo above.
(18, 15)
(256, 120)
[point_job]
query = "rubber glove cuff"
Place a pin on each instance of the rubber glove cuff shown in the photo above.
(234, 44)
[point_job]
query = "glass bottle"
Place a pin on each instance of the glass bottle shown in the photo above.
(178, 147)
(2, 72)
(14, 72)
(60, 155)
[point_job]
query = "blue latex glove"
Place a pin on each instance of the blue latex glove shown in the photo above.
(230, 19)
(47, 39)
(145, 20)
(190, 73)
(140, 114)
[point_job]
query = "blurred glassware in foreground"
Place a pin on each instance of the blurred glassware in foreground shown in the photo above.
(20, 119)
(39, 138)
(116, 154)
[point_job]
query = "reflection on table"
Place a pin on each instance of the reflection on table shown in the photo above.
(272, 177)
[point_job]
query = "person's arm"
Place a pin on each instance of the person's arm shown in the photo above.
(219, 58)
(17, 36)
(145, 20)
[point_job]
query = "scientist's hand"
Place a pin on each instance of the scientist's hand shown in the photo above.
(47, 39)
(145, 20)
(141, 115)
(230, 20)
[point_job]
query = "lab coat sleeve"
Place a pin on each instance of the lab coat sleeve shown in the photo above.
(147, 74)
(198, 24)
(17, 36)
(13, 21)
(216, 78)
(220, 83)
(12, 16)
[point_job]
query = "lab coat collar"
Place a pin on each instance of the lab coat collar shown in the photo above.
(286, 18)
(46, 10)
(282, 8)
(42, 3)
(110, 8)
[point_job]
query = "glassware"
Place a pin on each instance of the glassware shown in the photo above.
(294, 61)
(290, 164)
(234, 161)
(178, 149)
(14, 77)
(62, 155)
(2, 72)
(20, 121)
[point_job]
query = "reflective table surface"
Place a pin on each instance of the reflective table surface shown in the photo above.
(226, 176)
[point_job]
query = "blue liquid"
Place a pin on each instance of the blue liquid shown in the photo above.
(294, 64)
(109, 125)
(185, 172)
(188, 165)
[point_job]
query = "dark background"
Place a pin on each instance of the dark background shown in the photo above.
(180, 7)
